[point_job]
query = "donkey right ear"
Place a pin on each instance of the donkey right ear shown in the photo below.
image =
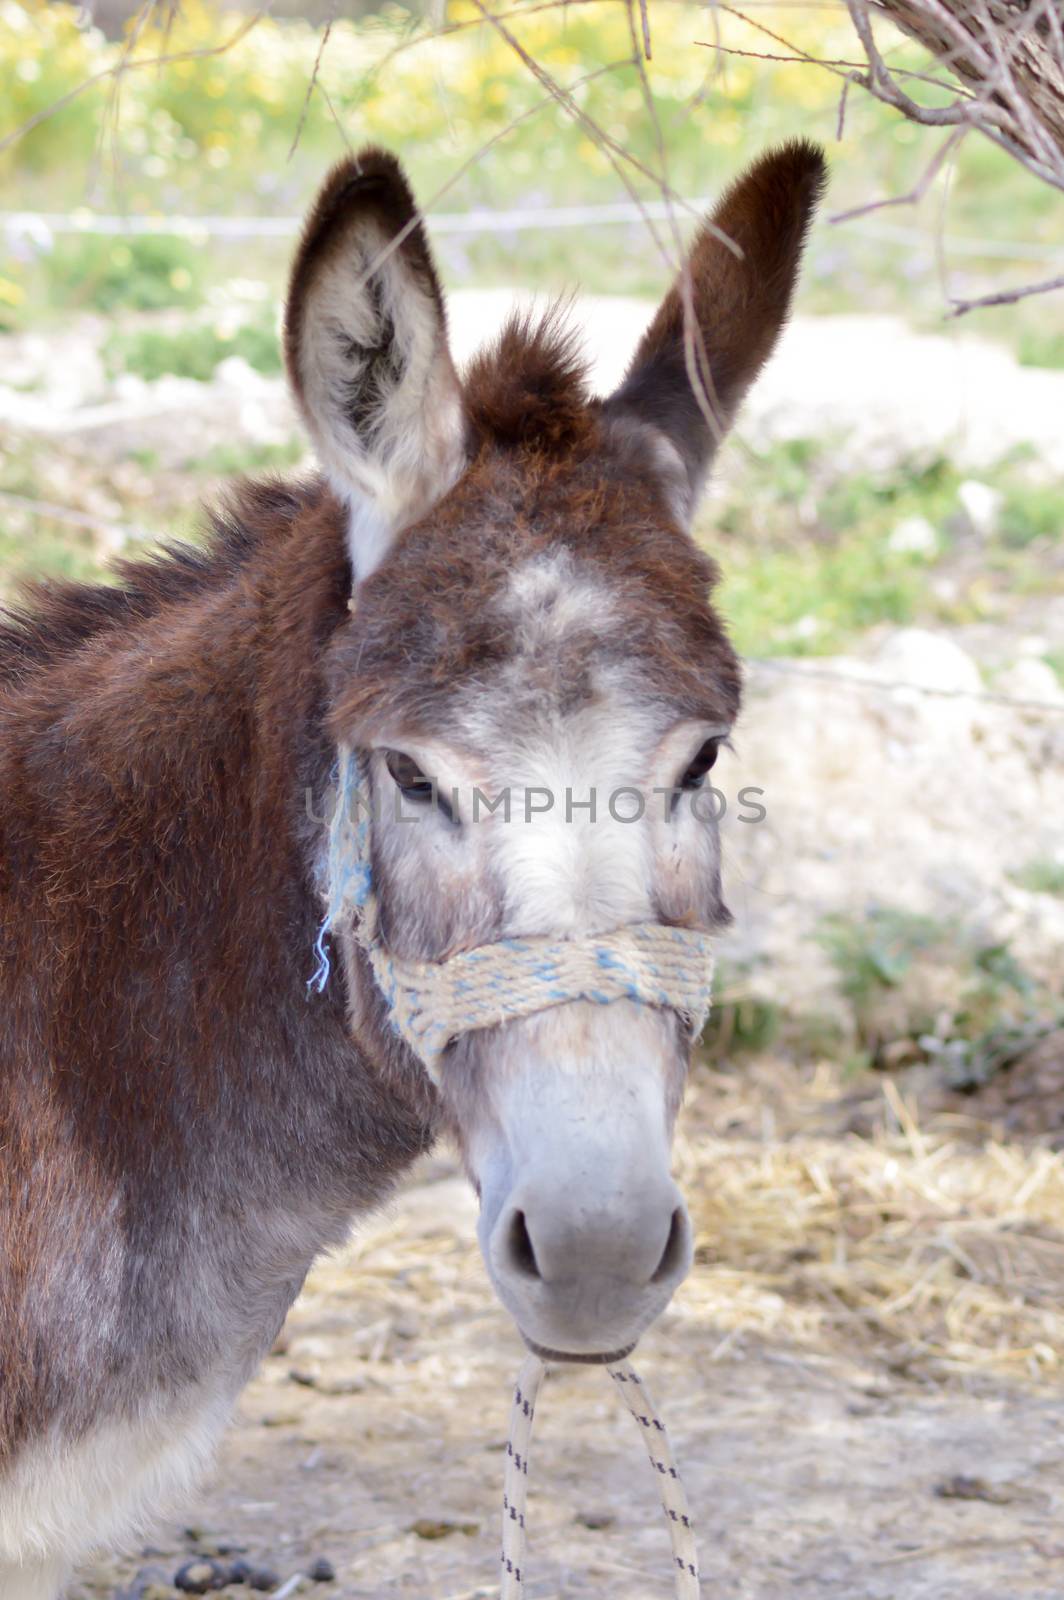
(365, 341)
(717, 326)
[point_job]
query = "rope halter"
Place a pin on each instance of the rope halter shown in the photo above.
(432, 1003)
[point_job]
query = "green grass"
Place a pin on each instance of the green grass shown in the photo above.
(805, 546)
(1041, 346)
(142, 273)
(194, 352)
(924, 988)
(1041, 876)
(243, 460)
(877, 951)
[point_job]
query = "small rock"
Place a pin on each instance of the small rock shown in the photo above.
(596, 1519)
(928, 660)
(1029, 679)
(913, 536)
(321, 1570)
(440, 1527)
(354, 1384)
(963, 1486)
(981, 506)
(200, 1576)
(262, 1578)
(238, 1571)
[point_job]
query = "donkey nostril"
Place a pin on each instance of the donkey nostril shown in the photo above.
(672, 1257)
(522, 1255)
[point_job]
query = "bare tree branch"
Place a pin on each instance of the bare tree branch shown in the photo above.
(1005, 297)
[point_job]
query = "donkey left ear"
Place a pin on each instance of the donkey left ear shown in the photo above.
(724, 314)
(366, 347)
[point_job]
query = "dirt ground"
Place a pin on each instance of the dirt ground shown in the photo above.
(861, 1406)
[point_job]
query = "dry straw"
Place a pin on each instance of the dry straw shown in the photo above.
(931, 1248)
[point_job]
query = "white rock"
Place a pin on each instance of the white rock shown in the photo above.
(928, 660)
(1030, 679)
(913, 536)
(981, 505)
(236, 373)
(129, 386)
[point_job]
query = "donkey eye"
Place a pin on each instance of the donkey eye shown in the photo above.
(695, 775)
(408, 777)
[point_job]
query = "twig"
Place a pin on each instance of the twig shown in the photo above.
(1005, 297)
(310, 86)
(919, 189)
(644, 17)
(105, 73)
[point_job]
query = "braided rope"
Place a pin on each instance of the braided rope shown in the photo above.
(434, 1002)
(670, 1487)
(515, 1478)
(515, 1482)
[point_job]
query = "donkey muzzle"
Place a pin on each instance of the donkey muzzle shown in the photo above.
(583, 1284)
(585, 1235)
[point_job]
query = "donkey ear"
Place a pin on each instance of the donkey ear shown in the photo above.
(365, 341)
(688, 377)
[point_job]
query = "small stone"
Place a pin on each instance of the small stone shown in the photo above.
(596, 1519)
(440, 1527)
(964, 1486)
(263, 1578)
(200, 1576)
(321, 1570)
(981, 506)
(913, 536)
(239, 1571)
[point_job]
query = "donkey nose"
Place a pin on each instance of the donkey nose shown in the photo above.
(588, 1277)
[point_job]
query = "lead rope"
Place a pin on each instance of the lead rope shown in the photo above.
(515, 1481)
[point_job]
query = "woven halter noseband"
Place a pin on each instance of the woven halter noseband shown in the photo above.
(435, 1002)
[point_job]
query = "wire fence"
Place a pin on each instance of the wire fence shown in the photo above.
(40, 224)
(45, 510)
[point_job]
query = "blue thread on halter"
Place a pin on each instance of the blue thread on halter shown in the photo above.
(350, 876)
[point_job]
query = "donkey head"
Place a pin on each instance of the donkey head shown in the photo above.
(535, 672)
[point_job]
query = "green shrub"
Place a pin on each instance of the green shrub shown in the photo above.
(194, 352)
(142, 273)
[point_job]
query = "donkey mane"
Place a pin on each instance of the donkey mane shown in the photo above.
(57, 617)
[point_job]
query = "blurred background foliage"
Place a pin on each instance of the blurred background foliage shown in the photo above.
(211, 130)
(203, 110)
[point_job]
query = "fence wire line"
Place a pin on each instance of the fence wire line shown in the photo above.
(519, 220)
(44, 509)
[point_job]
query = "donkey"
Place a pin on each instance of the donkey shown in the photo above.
(489, 584)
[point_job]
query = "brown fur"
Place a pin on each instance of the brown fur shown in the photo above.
(181, 1127)
(740, 296)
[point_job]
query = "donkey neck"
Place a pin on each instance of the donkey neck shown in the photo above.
(155, 783)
